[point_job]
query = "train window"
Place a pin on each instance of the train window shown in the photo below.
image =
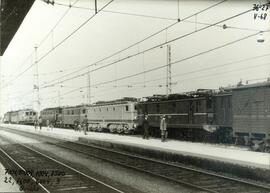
(34, 113)
(107, 109)
(113, 108)
(135, 107)
(26, 113)
(83, 111)
(126, 107)
(197, 106)
(72, 112)
(99, 109)
(68, 112)
(94, 110)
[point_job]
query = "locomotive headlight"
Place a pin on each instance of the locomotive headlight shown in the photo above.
(134, 125)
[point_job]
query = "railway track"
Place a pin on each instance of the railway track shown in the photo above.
(200, 180)
(197, 179)
(37, 172)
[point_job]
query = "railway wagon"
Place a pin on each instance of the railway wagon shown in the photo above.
(14, 117)
(251, 111)
(54, 115)
(188, 116)
(222, 117)
(7, 117)
(114, 116)
(24, 116)
(73, 114)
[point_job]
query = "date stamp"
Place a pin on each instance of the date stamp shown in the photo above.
(29, 180)
(260, 11)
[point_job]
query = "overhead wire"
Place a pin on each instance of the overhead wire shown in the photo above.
(180, 80)
(162, 44)
(142, 40)
(163, 66)
(41, 42)
(73, 32)
(157, 17)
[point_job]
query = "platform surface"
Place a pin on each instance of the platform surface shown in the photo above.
(225, 153)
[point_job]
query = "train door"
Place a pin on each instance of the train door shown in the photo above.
(191, 112)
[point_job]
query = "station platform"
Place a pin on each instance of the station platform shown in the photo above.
(216, 156)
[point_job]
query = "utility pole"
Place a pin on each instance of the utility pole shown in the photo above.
(88, 88)
(169, 72)
(36, 101)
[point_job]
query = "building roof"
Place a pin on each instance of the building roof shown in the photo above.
(12, 14)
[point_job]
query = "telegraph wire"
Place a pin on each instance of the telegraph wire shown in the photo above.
(144, 39)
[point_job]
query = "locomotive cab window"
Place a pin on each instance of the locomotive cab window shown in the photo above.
(72, 112)
(34, 113)
(26, 113)
(83, 111)
(126, 107)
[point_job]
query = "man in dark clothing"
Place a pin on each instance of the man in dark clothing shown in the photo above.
(163, 128)
(85, 124)
(145, 125)
(40, 123)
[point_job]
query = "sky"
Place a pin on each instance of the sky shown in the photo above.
(203, 55)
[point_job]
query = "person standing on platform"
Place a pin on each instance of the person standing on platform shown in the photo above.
(48, 123)
(36, 124)
(145, 127)
(40, 122)
(163, 128)
(85, 124)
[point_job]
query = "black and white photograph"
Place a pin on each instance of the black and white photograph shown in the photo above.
(134, 96)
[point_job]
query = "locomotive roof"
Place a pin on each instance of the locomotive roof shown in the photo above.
(178, 96)
(117, 101)
(20, 110)
(52, 108)
(255, 85)
(77, 106)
